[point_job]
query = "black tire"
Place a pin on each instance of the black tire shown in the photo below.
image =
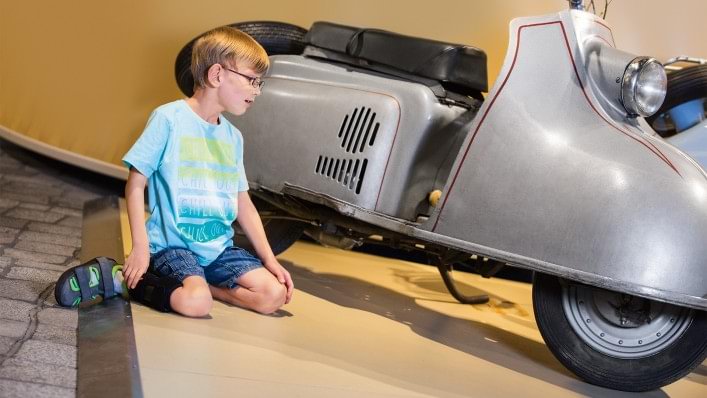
(281, 233)
(641, 372)
(684, 85)
(276, 37)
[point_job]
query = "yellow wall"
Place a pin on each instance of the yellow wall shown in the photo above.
(84, 75)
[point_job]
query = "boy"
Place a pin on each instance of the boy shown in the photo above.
(191, 159)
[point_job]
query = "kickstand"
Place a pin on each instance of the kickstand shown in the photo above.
(444, 270)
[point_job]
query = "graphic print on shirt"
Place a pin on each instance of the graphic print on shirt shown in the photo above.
(208, 184)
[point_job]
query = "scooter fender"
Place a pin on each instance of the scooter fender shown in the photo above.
(552, 178)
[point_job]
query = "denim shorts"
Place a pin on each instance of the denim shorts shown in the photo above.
(181, 263)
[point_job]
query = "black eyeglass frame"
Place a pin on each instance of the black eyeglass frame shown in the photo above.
(256, 82)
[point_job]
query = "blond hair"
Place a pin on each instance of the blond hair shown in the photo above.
(222, 45)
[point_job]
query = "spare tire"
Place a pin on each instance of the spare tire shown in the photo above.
(276, 37)
(684, 85)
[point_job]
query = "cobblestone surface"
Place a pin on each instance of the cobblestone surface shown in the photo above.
(41, 204)
(14, 329)
(33, 274)
(32, 371)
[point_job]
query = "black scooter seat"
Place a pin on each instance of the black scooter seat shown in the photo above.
(458, 67)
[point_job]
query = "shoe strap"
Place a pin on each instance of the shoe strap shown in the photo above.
(106, 265)
(83, 277)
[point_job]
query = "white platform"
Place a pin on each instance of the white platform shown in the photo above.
(365, 326)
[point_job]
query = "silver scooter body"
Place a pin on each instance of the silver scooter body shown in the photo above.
(549, 174)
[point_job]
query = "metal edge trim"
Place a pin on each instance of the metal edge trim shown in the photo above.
(107, 363)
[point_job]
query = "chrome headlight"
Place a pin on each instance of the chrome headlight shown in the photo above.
(643, 87)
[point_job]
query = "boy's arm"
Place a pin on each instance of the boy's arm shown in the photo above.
(250, 223)
(137, 262)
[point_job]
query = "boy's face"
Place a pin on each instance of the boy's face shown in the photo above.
(238, 90)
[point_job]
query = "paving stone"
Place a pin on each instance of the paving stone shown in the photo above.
(79, 195)
(7, 203)
(34, 206)
(17, 369)
(41, 213)
(74, 262)
(8, 230)
(30, 169)
(41, 199)
(14, 169)
(12, 222)
(54, 229)
(76, 182)
(33, 256)
(6, 160)
(18, 389)
(72, 202)
(33, 274)
(14, 329)
(65, 318)
(14, 310)
(21, 290)
(5, 344)
(71, 221)
(33, 179)
(67, 211)
(8, 235)
(55, 334)
(33, 188)
(50, 238)
(40, 265)
(4, 262)
(51, 301)
(48, 353)
(47, 248)
(34, 215)
(7, 238)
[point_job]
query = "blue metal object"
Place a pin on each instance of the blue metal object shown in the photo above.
(688, 114)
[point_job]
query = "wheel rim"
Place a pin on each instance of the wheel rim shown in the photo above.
(621, 325)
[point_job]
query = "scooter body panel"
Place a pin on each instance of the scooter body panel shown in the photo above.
(374, 142)
(550, 174)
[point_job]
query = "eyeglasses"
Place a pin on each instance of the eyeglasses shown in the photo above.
(256, 82)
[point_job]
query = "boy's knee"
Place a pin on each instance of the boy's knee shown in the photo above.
(199, 306)
(194, 303)
(272, 298)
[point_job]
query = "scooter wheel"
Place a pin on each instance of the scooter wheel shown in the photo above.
(281, 233)
(616, 340)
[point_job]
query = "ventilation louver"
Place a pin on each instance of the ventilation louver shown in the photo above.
(348, 172)
(357, 132)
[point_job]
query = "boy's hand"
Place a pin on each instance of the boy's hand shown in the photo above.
(282, 276)
(135, 266)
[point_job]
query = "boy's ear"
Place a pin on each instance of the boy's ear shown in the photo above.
(214, 75)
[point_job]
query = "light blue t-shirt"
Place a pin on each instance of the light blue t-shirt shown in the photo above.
(195, 171)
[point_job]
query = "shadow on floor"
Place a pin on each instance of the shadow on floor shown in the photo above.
(505, 349)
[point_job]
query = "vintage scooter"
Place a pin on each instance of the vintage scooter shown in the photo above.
(371, 135)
